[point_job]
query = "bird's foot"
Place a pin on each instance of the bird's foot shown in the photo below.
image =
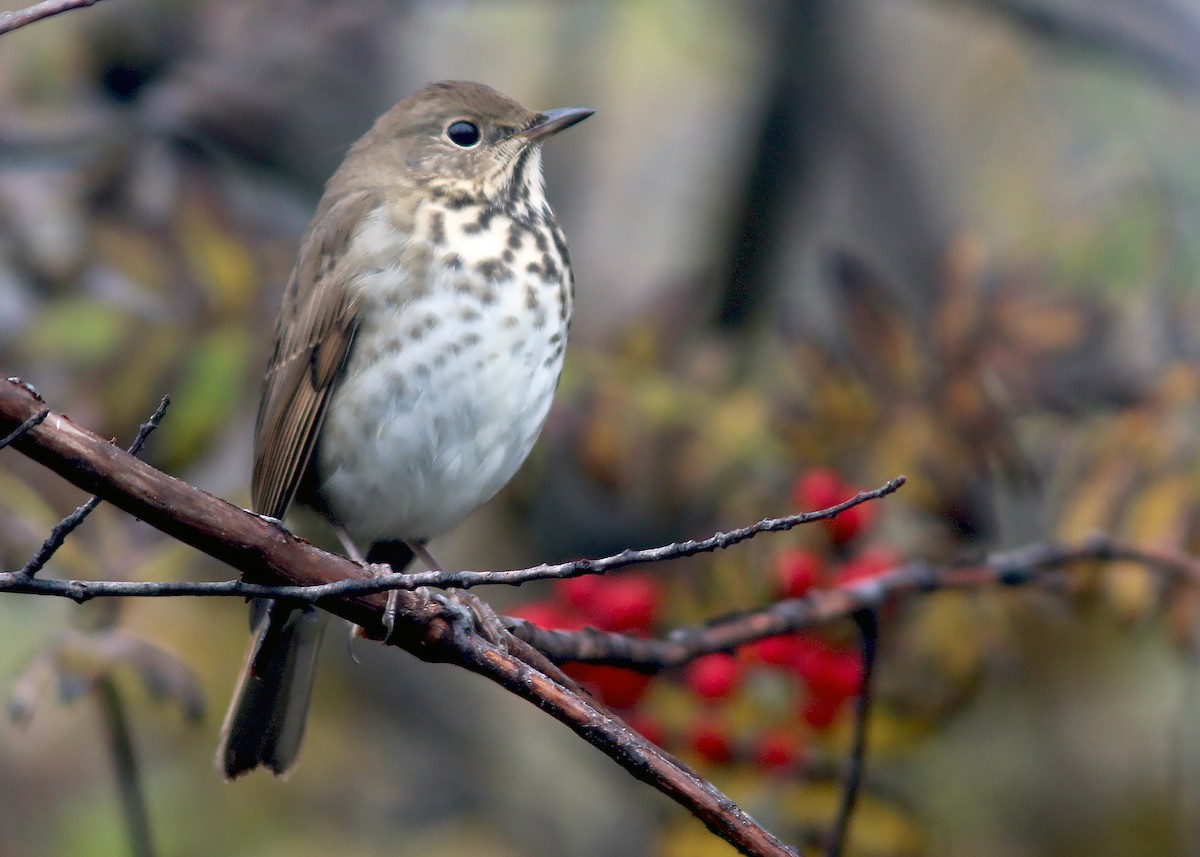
(381, 569)
(484, 619)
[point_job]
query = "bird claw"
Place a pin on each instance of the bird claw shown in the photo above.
(478, 613)
(389, 614)
(379, 569)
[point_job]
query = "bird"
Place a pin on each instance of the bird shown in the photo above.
(416, 353)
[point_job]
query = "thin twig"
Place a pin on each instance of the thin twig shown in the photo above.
(868, 631)
(1022, 566)
(69, 524)
(10, 21)
(427, 627)
(80, 590)
(36, 419)
(129, 780)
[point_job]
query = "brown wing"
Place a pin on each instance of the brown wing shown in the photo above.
(312, 338)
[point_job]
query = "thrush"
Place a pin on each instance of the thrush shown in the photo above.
(417, 350)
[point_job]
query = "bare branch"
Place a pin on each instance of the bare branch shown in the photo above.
(434, 629)
(678, 550)
(10, 21)
(868, 632)
(1027, 565)
(69, 524)
(84, 590)
(644, 760)
(36, 419)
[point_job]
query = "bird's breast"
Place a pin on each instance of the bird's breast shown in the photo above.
(459, 346)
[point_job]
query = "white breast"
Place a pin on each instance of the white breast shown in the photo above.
(447, 387)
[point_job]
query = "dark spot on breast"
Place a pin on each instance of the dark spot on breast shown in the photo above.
(508, 255)
(482, 221)
(549, 268)
(539, 238)
(479, 288)
(395, 343)
(531, 298)
(534, 268)
(459, 201)
(565, 300)
(494, 269)
(437, 228)
(470, 340)
(510, 321)
(396, 385)
(515, 238)
(468, 313)
(453, 261)
(560, 244)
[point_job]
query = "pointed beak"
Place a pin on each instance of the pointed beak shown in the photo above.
(552, 121)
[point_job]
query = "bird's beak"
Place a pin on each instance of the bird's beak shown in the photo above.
(552, 121)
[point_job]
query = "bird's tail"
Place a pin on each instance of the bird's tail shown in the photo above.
(265, 723)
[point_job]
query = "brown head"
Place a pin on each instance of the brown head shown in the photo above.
(458, 138)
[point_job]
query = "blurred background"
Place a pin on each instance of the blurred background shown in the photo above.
(817, 244)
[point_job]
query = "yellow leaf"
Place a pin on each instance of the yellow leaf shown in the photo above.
(219, 260)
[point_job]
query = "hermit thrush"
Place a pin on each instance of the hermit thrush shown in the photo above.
(416, 353)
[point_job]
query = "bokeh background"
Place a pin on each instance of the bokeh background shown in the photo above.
(948, 238)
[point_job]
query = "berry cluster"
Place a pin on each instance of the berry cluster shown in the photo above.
(817, 674)
(627, 604)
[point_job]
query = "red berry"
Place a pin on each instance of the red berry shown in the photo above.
(776, 750)
(808, 654)
(820, 488)
(614, 686)
(579, 592)
(711, 742)
(713, 676)
(848, 524)
(625, 604)
(870, 563)
(819, 712)
(835, 675)
(547, 614)
(778, 651)
(796, 572)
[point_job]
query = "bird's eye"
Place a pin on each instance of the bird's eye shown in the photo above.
(463, 134)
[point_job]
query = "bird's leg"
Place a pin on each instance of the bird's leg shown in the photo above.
(375, 569)
(489, 623)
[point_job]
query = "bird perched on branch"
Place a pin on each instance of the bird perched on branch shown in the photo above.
(417, 350)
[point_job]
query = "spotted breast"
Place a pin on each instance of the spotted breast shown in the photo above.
(452, 370)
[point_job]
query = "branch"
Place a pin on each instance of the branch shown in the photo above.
(36, 419)
(81, 590)
(646, 761)
(10, 21)
(868, 632)
(69, 524)
(432, 628)
(1027, 565)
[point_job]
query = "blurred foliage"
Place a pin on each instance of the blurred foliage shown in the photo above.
(973, 266)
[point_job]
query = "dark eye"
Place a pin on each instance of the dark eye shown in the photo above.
(463, 134)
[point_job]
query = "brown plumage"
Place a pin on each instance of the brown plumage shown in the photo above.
(414, 360)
